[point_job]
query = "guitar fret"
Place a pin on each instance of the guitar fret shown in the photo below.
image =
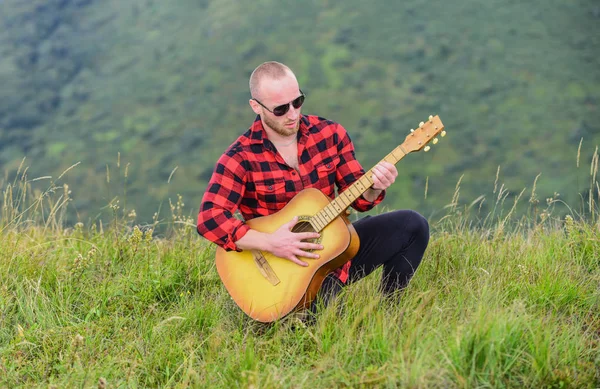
(326, 219)
(347, 198)
(339, 204)
(354, 194)
(332, 209)
(322, 220)
(330, 213)
(358, 185)
(315, 223)
(318, 221)
(335, 204)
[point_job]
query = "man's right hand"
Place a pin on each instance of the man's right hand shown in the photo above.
(282, 243)
(289, 245)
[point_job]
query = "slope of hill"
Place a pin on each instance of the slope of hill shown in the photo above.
(164, 84)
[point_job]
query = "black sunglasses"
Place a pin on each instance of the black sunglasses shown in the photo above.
(281, 110)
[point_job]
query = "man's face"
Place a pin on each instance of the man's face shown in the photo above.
(273, 93)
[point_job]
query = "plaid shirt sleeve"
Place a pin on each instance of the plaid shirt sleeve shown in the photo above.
(220, 201)
(350, 170)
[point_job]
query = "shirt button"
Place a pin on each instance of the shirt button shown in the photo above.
(328, 166)
(270, 187)
(293, 173)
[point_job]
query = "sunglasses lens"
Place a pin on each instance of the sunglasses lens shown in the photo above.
(281, 110)
(298, 102)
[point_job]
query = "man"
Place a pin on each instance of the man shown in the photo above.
(284, 152)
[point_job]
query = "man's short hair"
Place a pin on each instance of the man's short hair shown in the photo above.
(271, 69)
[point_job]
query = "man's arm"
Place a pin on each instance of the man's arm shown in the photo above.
(254, 240)
(372, 194)
(217, 224)
(282, 243)
(384, 175)
(220, 201)
(349, 170)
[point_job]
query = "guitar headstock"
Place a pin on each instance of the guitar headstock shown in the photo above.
(427, 132)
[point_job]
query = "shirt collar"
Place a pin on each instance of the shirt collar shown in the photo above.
(259, 135)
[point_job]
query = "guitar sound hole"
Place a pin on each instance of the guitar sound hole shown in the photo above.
(305, 226)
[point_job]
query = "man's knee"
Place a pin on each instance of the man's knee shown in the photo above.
(420, 226)
(414, 224)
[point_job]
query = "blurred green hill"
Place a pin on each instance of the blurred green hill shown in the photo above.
(516, 83)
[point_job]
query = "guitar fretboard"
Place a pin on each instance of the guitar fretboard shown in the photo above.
(338, 205)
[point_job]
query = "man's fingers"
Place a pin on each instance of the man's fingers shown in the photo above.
(382, 178)
(311, 246)
(387, 170)
(292, 222)
(308, 235)
(384, 173)
(389, 167)
(300, 253)
(297, 261)
(376, 179)
(377, 173)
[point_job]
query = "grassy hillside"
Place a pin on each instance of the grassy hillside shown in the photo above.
(121, 307)
(164, 84)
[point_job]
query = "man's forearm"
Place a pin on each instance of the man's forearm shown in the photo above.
(254, 240)
(371, 194)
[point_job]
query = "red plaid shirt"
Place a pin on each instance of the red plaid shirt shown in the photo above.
(253, 178)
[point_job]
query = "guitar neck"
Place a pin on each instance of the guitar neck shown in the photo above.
(338, 205)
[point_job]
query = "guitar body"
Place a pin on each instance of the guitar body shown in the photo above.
(255, 294)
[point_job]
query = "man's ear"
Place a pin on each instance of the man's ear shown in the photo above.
(255, 106)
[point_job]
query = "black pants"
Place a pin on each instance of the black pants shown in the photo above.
(396, 240)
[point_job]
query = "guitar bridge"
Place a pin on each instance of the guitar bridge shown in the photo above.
(265, 269)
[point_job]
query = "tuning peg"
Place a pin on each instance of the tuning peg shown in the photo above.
(443, 134)
(435, 140)
(426, 149)
(421, 125)
(430, 119)
(412, 132)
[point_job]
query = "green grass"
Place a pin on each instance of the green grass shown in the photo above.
(496, 303)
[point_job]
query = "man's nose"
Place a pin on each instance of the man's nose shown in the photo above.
(293, 113)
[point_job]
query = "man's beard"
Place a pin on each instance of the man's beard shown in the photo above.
(279, 128)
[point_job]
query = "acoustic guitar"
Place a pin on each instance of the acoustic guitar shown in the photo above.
(267, 287)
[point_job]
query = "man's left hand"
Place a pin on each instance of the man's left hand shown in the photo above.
(384, 175)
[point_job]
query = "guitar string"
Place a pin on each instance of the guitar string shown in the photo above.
(308, 226)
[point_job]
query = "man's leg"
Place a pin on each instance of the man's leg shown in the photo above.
(397, 240)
